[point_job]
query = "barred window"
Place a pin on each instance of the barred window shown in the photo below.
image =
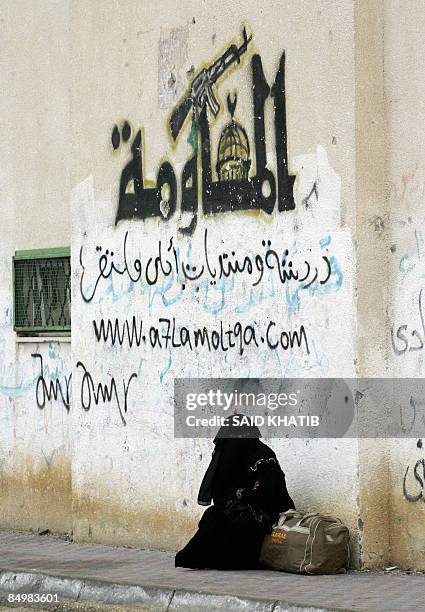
(42, 291)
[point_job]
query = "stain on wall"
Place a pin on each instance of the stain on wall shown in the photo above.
(172, 62)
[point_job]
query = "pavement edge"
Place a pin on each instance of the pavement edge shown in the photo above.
(155, 598)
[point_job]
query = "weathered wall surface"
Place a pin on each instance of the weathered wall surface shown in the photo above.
(134, 65)
(94, 125)
(35, 473)
(36, 457)
(371, 267)
(402, 231)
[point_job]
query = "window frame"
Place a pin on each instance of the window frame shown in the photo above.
(32, 254)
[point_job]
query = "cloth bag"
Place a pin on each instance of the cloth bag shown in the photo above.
(307, 544)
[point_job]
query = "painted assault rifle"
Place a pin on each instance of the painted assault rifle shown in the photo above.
(201, 91)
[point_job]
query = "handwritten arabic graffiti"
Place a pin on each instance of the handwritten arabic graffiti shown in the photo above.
(410, 339)
(117, 134)
(235, 189)
(419, 477)
(213, 266)
(412, 414)
(46, 391)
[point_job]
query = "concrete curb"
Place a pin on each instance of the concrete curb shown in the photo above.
(156, 598)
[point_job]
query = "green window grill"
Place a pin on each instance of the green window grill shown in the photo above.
(42, 291)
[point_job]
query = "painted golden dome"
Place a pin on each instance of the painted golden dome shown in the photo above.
(233, 160)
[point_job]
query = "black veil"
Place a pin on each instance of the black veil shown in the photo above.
(235, 445)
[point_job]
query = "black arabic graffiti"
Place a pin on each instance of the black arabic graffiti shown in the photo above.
(417, 334)
(412, 415)
(419, 474)
(234, 190)
(45, 391)
(213, 266)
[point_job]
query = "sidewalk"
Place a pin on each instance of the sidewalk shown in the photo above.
(95, 574)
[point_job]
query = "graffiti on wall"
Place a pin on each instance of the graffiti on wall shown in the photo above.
(48, 390)
(414, 488)
(241, 281)
(52, 388)
(95, 393)
(213, 266)
(407, 338)
(168, 334)
(165, 269)
(236, 187)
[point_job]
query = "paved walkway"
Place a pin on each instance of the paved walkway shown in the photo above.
(106, 575)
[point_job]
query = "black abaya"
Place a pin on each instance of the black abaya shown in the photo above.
(248, 489)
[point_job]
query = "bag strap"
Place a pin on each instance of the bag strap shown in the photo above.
(306, 516)
(331, 519)
(325, 517)
(288, 515)
(291, 512)
(303, 517)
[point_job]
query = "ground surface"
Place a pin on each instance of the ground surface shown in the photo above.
(27, 559)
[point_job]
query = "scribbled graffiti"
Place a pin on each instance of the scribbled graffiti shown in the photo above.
(412, 414)
(95, 393)
(235, 188)
(406, 338)
(312, 197)
(48, 390)
(414, 491)
(167, 333)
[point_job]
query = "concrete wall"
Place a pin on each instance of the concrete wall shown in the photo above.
(35, 458)
(35, 109)
(162, 474)
(403, 231)
(371, 268)
(109, 468)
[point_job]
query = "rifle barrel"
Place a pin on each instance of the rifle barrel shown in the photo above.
(231, 55)
(183, 108)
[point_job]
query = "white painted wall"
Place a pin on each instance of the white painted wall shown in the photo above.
(117, 67)
(83, 67)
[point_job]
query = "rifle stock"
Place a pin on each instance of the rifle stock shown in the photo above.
(179, 115)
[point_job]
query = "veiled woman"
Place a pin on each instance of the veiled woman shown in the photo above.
(248, 490)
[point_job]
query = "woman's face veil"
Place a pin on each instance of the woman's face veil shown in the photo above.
(235, 444)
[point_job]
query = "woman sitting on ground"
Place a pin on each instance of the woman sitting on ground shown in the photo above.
(248, 490)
